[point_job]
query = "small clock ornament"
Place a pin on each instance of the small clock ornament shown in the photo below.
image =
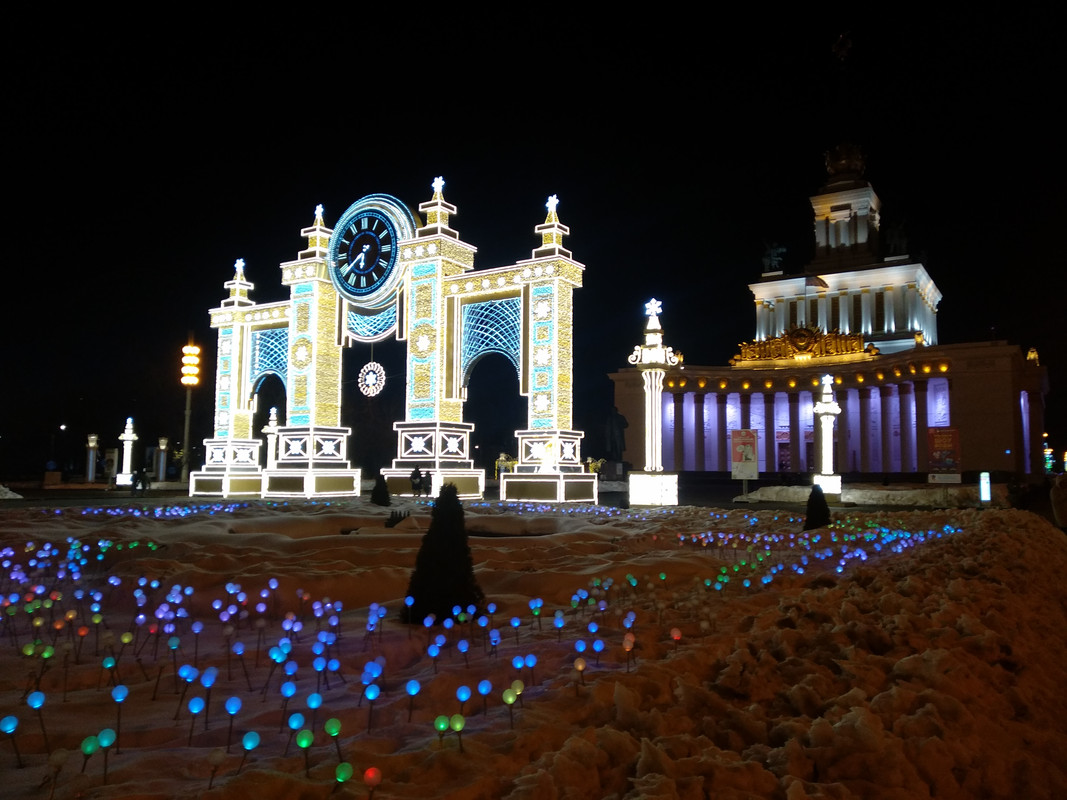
(371, 378)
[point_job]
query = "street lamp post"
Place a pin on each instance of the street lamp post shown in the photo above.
(190, 378)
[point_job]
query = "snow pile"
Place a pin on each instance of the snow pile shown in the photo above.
(892, 656)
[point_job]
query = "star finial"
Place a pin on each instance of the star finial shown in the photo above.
(239, 269)
(653, 308)
(438, 184)
(553, 201)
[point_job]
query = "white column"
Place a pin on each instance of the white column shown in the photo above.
(653, 379)
(125, 478)
(90, 457)
(161, 459)
(825, 411)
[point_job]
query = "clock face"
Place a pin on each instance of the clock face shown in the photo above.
(364, 253)
(364, 250)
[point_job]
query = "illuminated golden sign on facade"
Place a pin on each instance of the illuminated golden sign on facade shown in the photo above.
(803, 344)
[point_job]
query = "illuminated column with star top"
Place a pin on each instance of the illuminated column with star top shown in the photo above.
(231, 465)
(653, 486)
(433, 436)
(550, 463)
(308, 454)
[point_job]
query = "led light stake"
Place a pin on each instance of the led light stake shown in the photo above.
(412, 688)
(119, 694)
(288, 690)
(215, 759)
(249, 742)
(304, 740)
(333, 728)
(342, 773)
(35, 700)
(457, 722)
(509, 697)
(188, 673)
(196, 705)
(484, 687)
(372, 778)
(207, 680)
(579, 664)
(232, 705)
(531, 662)
(8, 725)
(296, 722)
(314, 700)
(463, 694)
(106, 738)
(239, 651)
(372, 694)
(90, 744)
(440, 724)
(518, 687)
(56, 761)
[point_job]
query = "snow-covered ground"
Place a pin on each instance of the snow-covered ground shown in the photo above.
(896, 655)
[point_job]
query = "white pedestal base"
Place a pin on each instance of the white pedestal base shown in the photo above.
(551, 487)
(469, 483)
(311, 483)
(653, 489)
(831, 484)
(232, 470)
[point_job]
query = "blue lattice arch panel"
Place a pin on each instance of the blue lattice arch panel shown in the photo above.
(372, 327)
(270, 353)
(493, 326)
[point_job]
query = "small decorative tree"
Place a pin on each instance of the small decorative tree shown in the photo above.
(444, 569)
(817, 514)
(379, 495)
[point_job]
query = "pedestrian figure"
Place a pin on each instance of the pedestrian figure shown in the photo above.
(139, 482)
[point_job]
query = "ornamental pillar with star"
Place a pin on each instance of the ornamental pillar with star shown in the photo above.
(826, 410)
(653, 486)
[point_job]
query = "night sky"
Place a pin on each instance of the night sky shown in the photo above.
(143, 165)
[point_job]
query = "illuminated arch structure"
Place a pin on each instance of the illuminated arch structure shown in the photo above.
(450, 316)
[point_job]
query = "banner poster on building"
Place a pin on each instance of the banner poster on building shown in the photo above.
(944, 449)
(744, 455)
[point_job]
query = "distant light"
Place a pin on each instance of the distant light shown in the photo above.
(190, 365)
(984, 493)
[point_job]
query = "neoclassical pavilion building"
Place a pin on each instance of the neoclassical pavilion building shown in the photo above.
(867, 316)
